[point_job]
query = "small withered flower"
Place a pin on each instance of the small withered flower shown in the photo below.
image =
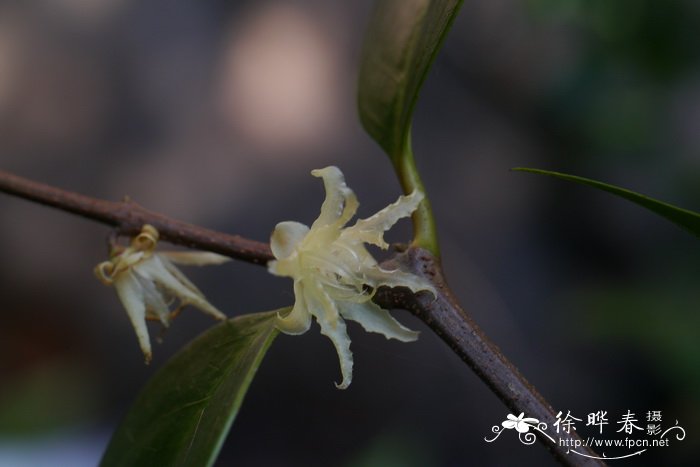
(148, 283)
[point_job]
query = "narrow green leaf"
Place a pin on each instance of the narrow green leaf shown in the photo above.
(401, 43)
(402, 40)
(183, 414)
(684, 218)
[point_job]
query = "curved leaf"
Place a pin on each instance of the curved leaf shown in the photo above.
(183, 414)
(401, 43)
(687, 220)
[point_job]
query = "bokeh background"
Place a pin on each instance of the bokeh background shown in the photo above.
(215, 112)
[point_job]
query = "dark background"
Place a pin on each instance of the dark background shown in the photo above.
(215, 113)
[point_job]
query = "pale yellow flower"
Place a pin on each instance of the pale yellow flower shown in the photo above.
(148, 282)
(334, 275)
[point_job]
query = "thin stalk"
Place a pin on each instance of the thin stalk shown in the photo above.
(424, 229)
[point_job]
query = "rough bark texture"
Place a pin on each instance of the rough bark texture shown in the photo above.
(447, 319)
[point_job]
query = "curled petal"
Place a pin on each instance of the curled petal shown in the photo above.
(397, 278)
(340, 203)
(339, 336)
(286, 237)
(375, 319)
(371, 230)
(327, 316)
(130, 293)
(298, 321)
(104, 272)
(147, 239)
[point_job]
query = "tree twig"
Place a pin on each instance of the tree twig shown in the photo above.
(442, 314)
(447, 319)
(127, 218)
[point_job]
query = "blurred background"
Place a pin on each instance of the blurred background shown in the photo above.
(215, 113)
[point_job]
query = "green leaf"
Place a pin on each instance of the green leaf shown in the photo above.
(403, 38)
(183, 414)
(687, 220)
(401, 43)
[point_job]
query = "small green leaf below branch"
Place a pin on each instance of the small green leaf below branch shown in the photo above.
(183, 414)
(684, 218)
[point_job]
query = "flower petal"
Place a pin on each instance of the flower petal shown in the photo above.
(339, 336)
(340, 203)
(298, 321)
(153, 300)
(158, 273)
(375, 319)
(377, 276)
(131, 295)
(104, 272)
(328, 318)
(371, 230)
(172, 269)
(286, 237)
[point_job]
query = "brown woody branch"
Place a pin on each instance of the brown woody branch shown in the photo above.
(442, 314)
(128, 217)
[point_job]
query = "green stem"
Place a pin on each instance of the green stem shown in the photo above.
(424, 230)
